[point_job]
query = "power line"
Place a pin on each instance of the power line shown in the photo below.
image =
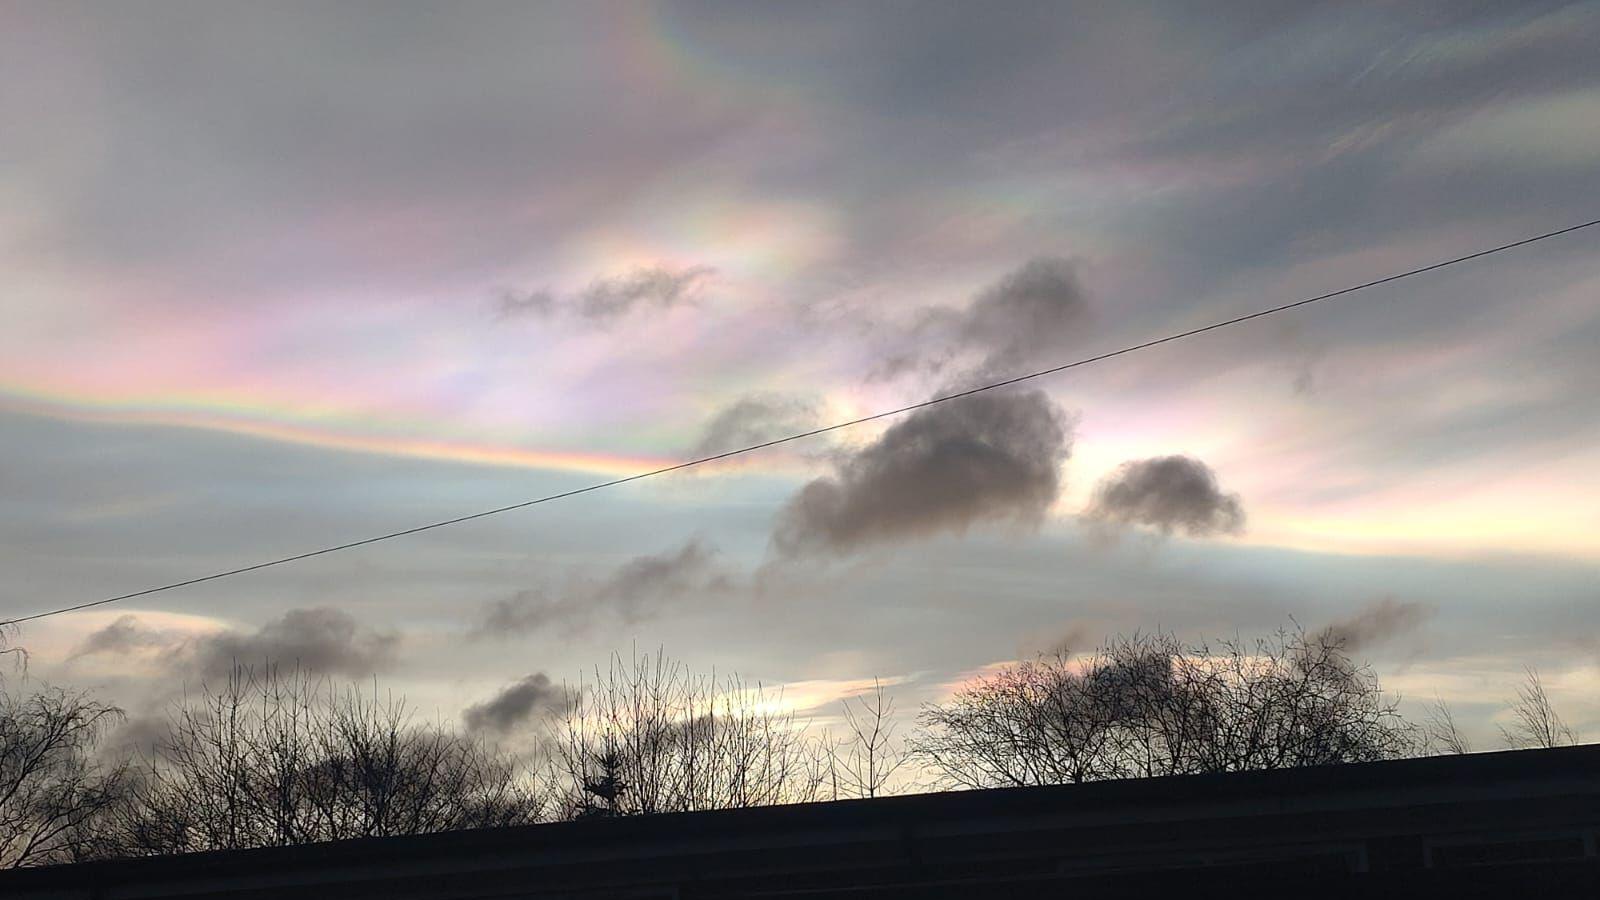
(215, 576)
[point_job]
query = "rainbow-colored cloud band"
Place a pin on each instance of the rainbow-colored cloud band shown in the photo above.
(234, 416)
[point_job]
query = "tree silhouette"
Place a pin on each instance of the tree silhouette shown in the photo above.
(1148, 705)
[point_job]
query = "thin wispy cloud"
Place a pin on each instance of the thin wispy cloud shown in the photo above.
(1031, 315)
(754, 419)
(642, 588)
(1378, 623)
(608, 299)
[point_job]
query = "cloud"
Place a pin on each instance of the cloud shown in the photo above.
(322, 640)
(1030, 312)
(753, 420)
(138, 734)
(1167, 493)
(992, 457)
(1075, 639)
(1553, 131)
(607, 299)
(1024, 319)
(636, 590)
(516, 704)
(539, 303)
(1378, 623)
(127, 635)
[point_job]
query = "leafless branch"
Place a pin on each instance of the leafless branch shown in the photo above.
(1535, 722)
(1147, 705)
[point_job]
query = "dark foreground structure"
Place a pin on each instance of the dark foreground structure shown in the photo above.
(1521, 823)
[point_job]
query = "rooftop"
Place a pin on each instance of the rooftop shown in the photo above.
(1470, 824)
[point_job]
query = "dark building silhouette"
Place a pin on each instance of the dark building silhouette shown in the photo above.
(1512, 824)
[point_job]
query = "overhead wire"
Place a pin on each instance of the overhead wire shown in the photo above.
(901, 410)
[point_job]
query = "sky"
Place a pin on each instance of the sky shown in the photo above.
(280, 276)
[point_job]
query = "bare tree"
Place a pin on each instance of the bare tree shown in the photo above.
(869, 756)
(1535, 722)
(53, 791)
(1440, 733)
(1148, 705)
(276, 759)
(647, 736)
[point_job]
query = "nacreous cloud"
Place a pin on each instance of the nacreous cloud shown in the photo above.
(1167, 493)
(992, 457)
(518, 703)
(608, 299)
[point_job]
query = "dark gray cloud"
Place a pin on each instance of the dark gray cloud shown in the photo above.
(638, 589)
(539, 302)
(517, 704)
(1024, 319)
(607, 299)
(992, 457)
(139, 734)
(752, 420)
(1076, 639)
(126, 635)
(1032, 311)
(660, 286)
(1167, 493)
(1378, 623)
(322, 640)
